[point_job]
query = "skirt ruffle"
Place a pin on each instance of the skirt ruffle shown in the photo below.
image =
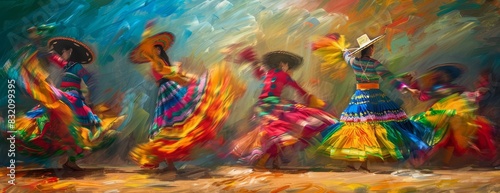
(280, 123)
(453, 122)
(62, 122)
(372, 127)
(175, 142)
(175, 103)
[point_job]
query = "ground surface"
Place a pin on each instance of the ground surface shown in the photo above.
(241, 179)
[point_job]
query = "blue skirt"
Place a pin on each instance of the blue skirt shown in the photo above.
(372, 126)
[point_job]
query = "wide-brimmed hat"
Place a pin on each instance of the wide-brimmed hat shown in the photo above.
(273, 59)
(364, 41)
(428, 79)
(163, 39)
(81, 52)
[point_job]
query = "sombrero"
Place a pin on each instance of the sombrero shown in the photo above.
(81, 52)
(364, 41)
(163, 39)
(453, 70)
(273, 59)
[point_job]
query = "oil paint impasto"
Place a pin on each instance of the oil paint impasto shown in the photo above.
(202, 106)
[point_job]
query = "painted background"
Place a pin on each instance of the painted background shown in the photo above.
(419, 33)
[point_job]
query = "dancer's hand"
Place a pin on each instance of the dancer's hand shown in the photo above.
(334, 36)
(32, 33)
(482, 90)
(414, 92)
(177, 63)
(176, 66)
(191, 76)
(409, 78)
(247, 55)
(36, 38)
(37, 33)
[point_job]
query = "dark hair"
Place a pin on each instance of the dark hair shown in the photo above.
(286, 60)
(71, 56)
(364, 52)
(163, 55)
(443, 78)
(274, 62)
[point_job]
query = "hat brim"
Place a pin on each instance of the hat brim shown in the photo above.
(374, 40)
(454, 70)
(163, 39)
(273, 59)
(81, 52)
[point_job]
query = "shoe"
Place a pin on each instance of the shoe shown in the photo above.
(366, 169)
(72, 166)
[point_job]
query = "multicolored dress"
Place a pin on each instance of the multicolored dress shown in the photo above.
(62, 122)
(279, 122)
(454, 123)
(188, 112)
(372, 126)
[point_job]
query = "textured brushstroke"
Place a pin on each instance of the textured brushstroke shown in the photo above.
(419, 34)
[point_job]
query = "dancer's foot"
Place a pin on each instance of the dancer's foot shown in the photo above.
(364, 166)
(416, 162)
(170, 166)
(419, 159)
(260, 167)
(350, 168)
(261, 163)
(366, 169)
(72, 166)
(276, 164)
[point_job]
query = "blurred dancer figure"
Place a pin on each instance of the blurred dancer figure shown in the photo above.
(455, 125)
(279, 123)
(189, 110)
(372, 127)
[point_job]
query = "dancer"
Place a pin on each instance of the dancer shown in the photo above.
(62, 123)
(455, 125)
(372, 127)
(189, 111)
(279, 123)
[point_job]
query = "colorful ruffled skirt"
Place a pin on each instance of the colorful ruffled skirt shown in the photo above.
(372, 127)
(175, 104)
(280, 123)
(188, 116)
(61, 123)
(453, 122)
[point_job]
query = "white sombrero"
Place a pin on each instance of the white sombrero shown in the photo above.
(364, 41)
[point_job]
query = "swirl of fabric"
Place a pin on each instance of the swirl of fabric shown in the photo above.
(278, 123)
(188, 112)
(454, 123)
(372, 127)
(62, 122)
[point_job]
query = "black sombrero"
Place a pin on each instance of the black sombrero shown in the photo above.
(273, 59)
(81, 52)
(163, 39)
